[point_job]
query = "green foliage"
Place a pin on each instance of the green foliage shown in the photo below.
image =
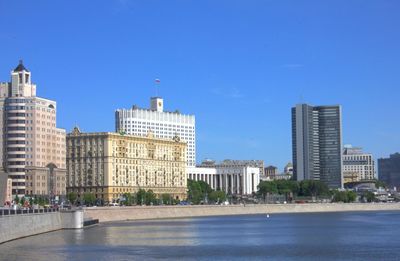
(129, 199)
(205, 188)
(313, 188)
(144, 197)
(290, 188)
(39, 200)
(344, 196)
(141, 197)
(72, 196)
(198, 191)
(42, 201)
(380, 184)
(369, 196)
(217, 196)
(150, 198)
(89, 198)
(287, 186)
(16, 199)
(167, 199)
(267, 187)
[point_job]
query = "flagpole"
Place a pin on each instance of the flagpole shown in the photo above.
(157, 83)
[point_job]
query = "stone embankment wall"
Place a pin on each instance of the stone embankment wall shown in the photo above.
(106, 214)
(24, 225)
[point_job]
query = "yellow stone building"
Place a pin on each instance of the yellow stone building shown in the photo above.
(111, 164)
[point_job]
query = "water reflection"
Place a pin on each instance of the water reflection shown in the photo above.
(327, 236)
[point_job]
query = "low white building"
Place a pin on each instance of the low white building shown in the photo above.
(236, 179)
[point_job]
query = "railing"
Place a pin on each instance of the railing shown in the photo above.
(10, 212)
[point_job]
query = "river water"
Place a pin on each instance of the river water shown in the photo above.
(322, 236)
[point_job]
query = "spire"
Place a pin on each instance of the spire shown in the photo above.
(20, 67)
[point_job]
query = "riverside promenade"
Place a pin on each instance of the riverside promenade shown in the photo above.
(108, 214)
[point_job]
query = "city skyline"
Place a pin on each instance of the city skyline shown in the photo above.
(329, 62)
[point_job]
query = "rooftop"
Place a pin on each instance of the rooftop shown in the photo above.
(20, 67)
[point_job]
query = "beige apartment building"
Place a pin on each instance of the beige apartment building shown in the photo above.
(33, 148)
(357, 165)
(111, 164)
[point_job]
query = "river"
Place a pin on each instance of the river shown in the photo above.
(311, 236)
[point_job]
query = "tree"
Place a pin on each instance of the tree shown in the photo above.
(313, 188)
(128, 199)
(16, 199)
(205, 189)
(287, 187)
(195, 194)
(218, 196)
(72, 196)
(351, 196)
(344, 196)
(166, 199)
(89, 198)
(150, 197)
(380, 184)
(267, 187)
(141, 197)
(369, 196)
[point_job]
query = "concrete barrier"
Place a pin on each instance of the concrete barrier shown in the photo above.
(107, 214)
(24, 225)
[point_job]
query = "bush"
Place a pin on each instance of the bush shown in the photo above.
(344, 196)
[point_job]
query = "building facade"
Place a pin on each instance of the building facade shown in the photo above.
(288, 170)
(357, 165)
(389, 170)
(111, 164)
(5, 189)
(317, 144)
(235, 177)
(271, 171)
(163, 124)
(33, 148)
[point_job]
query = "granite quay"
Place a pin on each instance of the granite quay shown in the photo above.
(38, 223)
(108, 214)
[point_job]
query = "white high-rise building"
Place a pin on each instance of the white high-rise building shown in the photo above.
(163, 124)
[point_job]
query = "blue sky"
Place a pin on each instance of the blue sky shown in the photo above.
(239, 66)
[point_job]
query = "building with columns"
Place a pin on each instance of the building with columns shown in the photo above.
(32, 147)
(164, 124)
(233, 177)
(111, 164)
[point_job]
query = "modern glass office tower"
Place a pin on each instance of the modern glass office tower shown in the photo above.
(317, 144)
